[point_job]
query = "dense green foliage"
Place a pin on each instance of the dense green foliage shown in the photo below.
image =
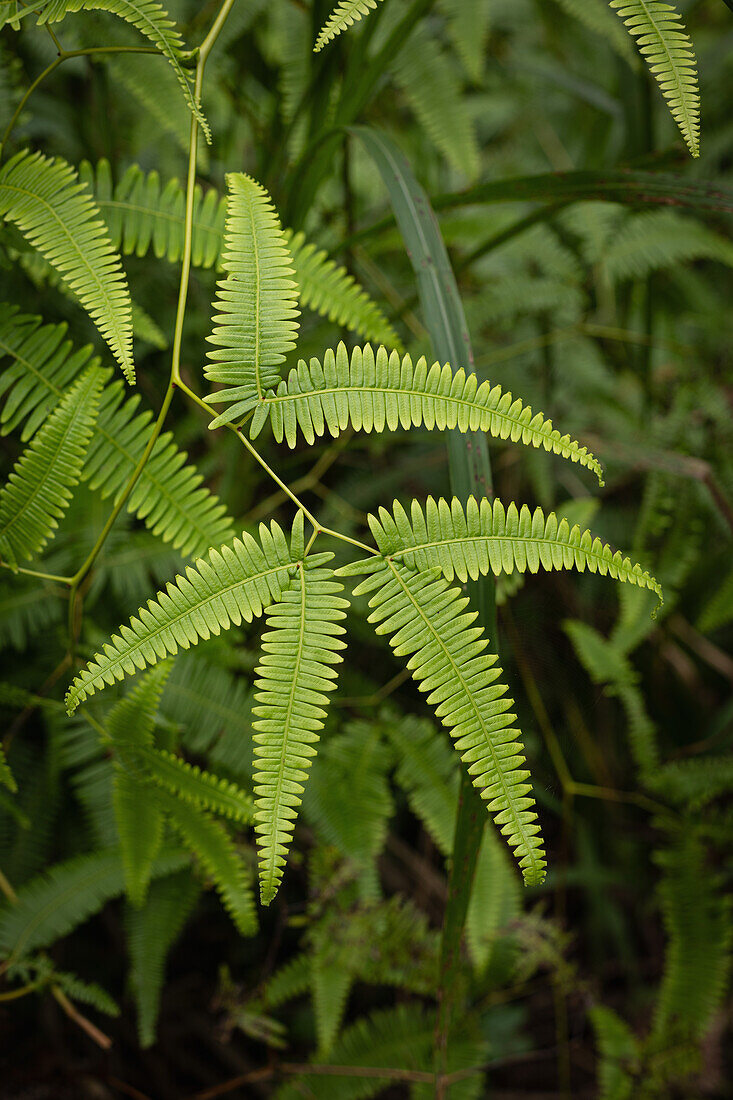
(311, 747)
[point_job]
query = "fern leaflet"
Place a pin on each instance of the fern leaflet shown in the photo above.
(344, 15)
(40, 485)
(427, 620)
(43, 197)
(257, 302)
(301, 645)
(197, 787)
(372, 390)
(668, 51)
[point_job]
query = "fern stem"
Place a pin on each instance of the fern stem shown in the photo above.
(36, 573)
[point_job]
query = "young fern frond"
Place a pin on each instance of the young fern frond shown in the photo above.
(664, 44)
(257, 320)
(344, 15)
(139, 819)
(43, 198)
(143, 214)
(88, 993)
(234, 584)
(196, 786)
(474, 539)
(427, 620)
(371, 391)
(215, 851)
(295, 669)
(151, 19)
(42, 481)
(169, 496)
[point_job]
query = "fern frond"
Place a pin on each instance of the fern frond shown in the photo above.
(372, 390)
(661, 239)
(233, 585)
(88, 993)
(211, 705)
(344, 15)
(41, 483)
(143, 214)
(7, 779)
(664, 44)
(151, 932)
(196, 786)
(169, 496)
(619, 1054)
(475, 539)
(215, 851)
(43, 197)
(328, 289)
(693, 782)
(53, 904)
(468, 28)
(595, 15)
(299, 649)
(427, 620)
(139, 820)
(257, 320)
(27, 609)
(151, 19)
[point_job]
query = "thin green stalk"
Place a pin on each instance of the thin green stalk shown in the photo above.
(36, 573)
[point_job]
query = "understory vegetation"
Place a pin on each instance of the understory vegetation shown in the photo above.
(366, 586)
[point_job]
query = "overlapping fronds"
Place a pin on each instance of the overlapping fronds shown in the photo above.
(151, 19)
(196, 786)
(169, 496)
(295, 670)
(255, 318)
(372, 391)
(143, 214)
(209, 703)
(344, 15)
(427, 621)
(27, 609)
(663, 42)
(65, 896)
(217, 854)
(41, 483)
(139, 819)
(151, 932)
(474, 539)
(43, 197)
(232, 585)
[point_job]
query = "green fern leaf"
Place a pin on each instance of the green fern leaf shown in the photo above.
(88, 993)
(479, 538)
(344, 15)
(427, 620)
(234, 585)
(595, 15)
(7, 779)
(620, 1054)
(468, 29)
(197, 787)
(169, 496)
(43, 197)
(216, 853)
(40, 485)
(257, 323)
(667, 49)
(373, 391)
(27, 610)
(143, 214)
(129, 725)
(151, 19)
(301, 645)
(151, 932)
(64, 897)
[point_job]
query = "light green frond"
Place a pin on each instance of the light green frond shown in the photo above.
(344, 15)
(40, 486)
(427, 620)
(139, 819)
(7, 779)
(151, 19)
(151, 932)
(371, 391)
(661, 239)
(694, 782)
(663, 42)
(169, 496)
(256, 323)
(215, 851)
(196, 786)
(295, 670)
(475, 539)
(331, 986)
(143, 214)
(64, 897)
(43, 197)
(438, 100)
(232, 585)
(468, 28)
(620, 1054)
(328, 289)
